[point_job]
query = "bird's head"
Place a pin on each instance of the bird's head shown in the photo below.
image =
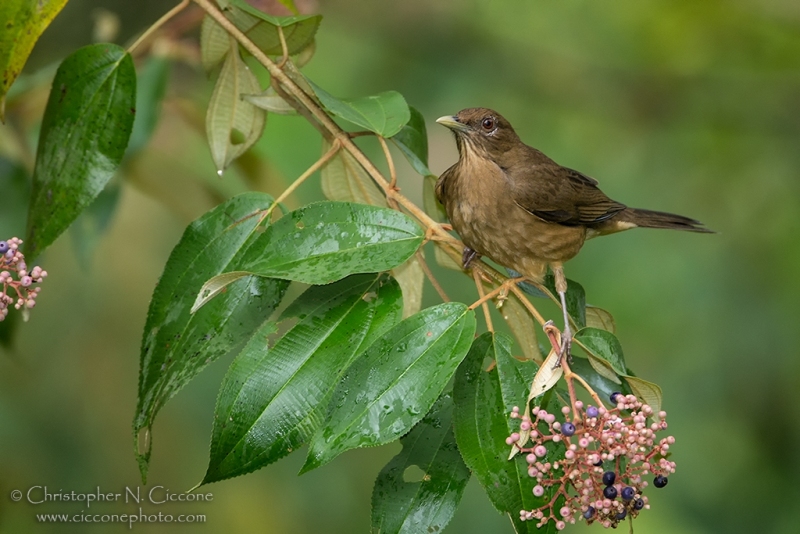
(481, 131)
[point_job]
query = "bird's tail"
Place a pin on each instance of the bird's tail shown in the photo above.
(660, 219)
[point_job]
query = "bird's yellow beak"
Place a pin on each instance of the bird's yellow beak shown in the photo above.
(451, 121)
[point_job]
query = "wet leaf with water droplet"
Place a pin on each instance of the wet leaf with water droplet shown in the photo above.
(85, 130)
(427, 502)
(176, 344)
(326, 241)
(272, 399)
(408, 381)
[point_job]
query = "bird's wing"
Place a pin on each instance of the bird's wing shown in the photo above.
(561, 195)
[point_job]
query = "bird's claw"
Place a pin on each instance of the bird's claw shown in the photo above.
(467, 256)
(566, 347)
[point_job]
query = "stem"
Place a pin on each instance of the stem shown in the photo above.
(392, 173)
(284, 48)
(479, 285)
(160, 22)
(432, 279)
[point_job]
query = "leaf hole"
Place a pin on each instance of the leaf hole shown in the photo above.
(299, 225)
(413, 473)
(237, 137)
(369, 297)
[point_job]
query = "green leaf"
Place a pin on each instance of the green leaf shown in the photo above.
(232, 124)
(600, 318)
(385, 113)
(598, 381)
(214, 43)
(326, 241)
(150, 87)
(602, 345)
(522, 326)
(262, 29)
(85, 129)
(177, 345)
(426, 504)
(411, 279)
(412, 140)
(647, 392)
(22, 22)
(271, 101)
(344, 179)
(393, 384)
(272, 399)
(483, 402)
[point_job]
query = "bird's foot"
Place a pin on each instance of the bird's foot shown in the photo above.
(467, 256)
(565, 350)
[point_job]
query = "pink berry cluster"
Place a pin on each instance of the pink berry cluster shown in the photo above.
(17, 292)
(607, 453)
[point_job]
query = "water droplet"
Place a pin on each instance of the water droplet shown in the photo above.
(219, 173)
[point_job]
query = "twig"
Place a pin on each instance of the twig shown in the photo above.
(432, 279)
(485, 305)
(392, 173)
(284, 47)
(160, 22)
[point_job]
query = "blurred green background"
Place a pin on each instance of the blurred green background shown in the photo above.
(691, 107)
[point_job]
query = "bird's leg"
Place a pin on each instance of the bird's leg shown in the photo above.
(566, 334)
(467, 256)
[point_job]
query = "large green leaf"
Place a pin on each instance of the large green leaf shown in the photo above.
(393, 384)
(426, 505)
(412, 139)
(272, 399)
(86, 127)
(326, 241)
(483, 401)
(385, 113)
(233, 124)
(177, 345)
(22, 22)
(262, 29)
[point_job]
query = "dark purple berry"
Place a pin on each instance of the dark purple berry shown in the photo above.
(609, 477)
(638, 504)
(627, 493)
(660, 481)
(591, 411)
(589, 513)
(614, 396)
(568, 429)
(3, 247)
(620, 516)
(599, 463)
(610, 492)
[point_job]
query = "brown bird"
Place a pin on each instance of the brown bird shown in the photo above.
(510, 202)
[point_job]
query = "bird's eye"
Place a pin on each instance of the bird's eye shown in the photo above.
(488, 124)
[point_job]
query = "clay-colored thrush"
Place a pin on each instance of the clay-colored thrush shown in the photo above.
(510, 202)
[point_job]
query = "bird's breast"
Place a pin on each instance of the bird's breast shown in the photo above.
(480, 204)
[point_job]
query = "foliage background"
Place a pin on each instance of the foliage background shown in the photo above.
(689, 107)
